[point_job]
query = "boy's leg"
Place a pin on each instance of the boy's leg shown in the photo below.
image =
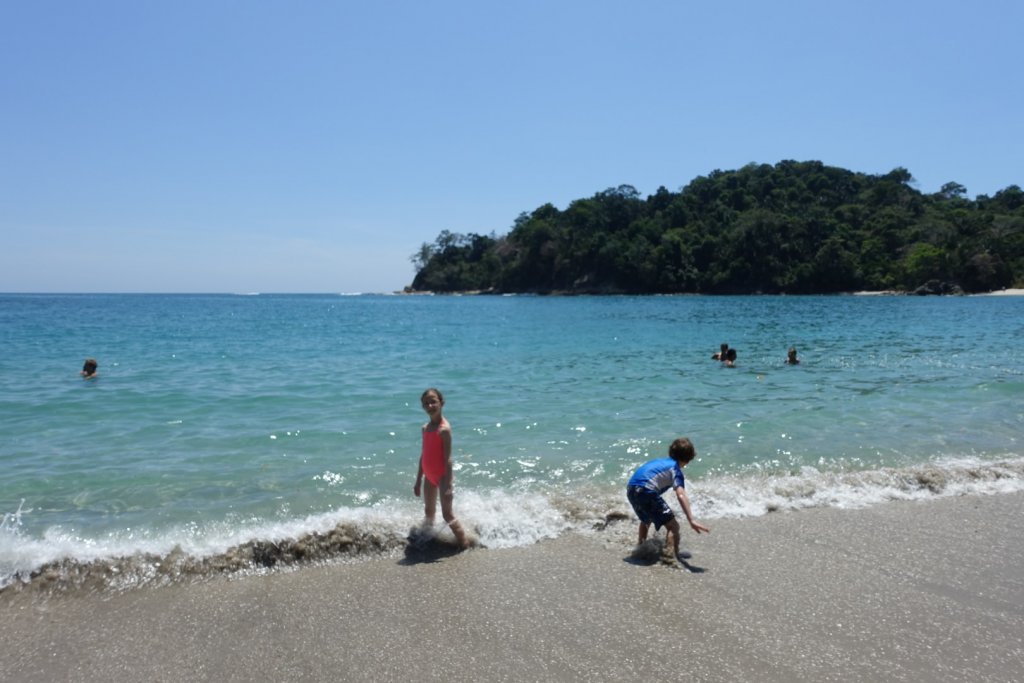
(640, 504)
(672, 527)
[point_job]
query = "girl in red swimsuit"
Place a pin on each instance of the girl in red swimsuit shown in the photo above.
(436, 466)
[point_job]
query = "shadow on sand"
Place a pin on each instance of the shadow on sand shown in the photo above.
(653, 552)
(426, 546)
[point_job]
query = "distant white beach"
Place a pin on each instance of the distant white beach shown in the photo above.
(1000, 292)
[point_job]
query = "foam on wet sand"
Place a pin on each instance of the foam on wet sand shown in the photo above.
(903, 591)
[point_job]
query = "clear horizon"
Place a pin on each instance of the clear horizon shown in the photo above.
(236, 148)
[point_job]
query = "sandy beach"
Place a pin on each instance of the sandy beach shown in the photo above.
(928, 591)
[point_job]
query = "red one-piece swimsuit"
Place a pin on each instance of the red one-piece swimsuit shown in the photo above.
(432, 457)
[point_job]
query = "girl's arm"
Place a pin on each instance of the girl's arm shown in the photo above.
(419, 477)
(447, 484)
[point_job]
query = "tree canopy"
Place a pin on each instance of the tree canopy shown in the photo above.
(792, 228)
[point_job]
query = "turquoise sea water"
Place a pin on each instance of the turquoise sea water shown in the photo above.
(222, 421)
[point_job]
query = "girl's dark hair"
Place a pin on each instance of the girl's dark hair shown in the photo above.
(440, 396)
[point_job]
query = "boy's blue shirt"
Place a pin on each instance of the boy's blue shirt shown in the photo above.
(658, 475)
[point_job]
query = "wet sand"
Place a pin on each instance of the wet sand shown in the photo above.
(928, 591)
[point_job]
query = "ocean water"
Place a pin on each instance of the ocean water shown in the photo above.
(235, 433)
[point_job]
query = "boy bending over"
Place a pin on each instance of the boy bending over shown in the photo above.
(653, 479)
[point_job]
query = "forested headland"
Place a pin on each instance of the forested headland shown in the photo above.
(792, 228)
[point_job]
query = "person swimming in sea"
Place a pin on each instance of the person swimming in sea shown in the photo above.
(791, 358)
(89, 369)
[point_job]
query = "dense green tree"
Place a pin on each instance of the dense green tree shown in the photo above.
(923, 262)
(795, 227)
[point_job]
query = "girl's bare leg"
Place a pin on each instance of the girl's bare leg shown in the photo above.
(453, 524)
(429, 503)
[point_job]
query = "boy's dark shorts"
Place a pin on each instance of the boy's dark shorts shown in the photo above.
(649, 506)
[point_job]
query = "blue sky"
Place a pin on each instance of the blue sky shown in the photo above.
(245, 146)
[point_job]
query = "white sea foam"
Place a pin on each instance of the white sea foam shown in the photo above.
(499, 518)
(20, 555)
(505, 520)
(753, 495)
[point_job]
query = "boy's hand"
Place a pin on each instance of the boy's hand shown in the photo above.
(698, 527)
(416, 489)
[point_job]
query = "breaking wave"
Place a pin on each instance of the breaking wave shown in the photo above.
(64, 562)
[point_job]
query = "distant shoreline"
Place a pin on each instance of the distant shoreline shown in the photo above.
(1003, 292)
(485, 292)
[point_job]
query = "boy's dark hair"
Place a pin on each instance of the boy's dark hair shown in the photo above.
(682, 450)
